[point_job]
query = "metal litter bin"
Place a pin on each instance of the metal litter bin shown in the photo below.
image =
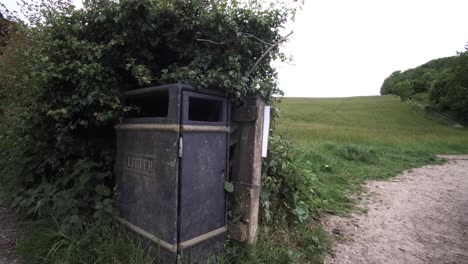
(171, 164)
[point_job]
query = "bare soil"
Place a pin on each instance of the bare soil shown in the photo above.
(420, 216)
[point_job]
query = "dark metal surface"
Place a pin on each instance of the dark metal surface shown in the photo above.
(176, 198)
(202, 195)
(148, 193)
(174, 104)
(221, 111)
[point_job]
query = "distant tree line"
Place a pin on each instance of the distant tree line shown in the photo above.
(440, 84)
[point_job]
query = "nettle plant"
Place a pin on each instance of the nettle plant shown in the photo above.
(79, 62)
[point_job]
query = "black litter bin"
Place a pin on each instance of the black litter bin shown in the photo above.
(172, 153)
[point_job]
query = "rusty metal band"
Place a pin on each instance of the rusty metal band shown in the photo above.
(155, 127)
(186, 128)
(149, 236)
(198, 239)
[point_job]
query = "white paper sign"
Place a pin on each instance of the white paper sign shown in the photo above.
(266, 130)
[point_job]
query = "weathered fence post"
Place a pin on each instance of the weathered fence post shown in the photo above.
(247, 169)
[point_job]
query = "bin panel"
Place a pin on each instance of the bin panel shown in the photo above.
(147, 187)
(202, 195)
(204, 110)
(162, 195)
(157, 105)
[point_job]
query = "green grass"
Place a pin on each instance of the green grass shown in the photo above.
(341, 143)
(301, 244)
(344, 142)
(40, 241)
(347, 141)
(373, 120)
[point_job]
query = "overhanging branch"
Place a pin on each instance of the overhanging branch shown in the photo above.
(257, 38)
(268, 51)
(211, 41)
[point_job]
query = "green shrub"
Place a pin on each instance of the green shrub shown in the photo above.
(288, 184)
(314, 243)
(57, 133)
(58, 144)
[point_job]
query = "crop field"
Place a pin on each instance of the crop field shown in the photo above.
(346, 141)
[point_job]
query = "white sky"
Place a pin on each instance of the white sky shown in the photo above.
(347, 48)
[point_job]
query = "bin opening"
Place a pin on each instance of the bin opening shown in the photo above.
(148, 105)
(203, 109)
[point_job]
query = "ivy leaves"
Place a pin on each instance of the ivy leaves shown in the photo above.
(80, 60)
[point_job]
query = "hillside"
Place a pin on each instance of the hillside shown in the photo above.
(382, 120)
(345, 142)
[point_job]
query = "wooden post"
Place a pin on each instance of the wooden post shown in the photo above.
(247, 169)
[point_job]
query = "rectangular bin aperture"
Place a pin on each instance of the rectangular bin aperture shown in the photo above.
(171, 167)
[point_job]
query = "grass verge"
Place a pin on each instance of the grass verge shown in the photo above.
(40, 241)
(301, 244)
(345, 142)
(341, 144)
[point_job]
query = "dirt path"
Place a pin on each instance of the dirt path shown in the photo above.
(421, 216)
(7, 236)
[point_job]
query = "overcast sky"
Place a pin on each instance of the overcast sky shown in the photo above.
(347, 48)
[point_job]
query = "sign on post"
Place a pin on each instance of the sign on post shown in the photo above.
(266, 130)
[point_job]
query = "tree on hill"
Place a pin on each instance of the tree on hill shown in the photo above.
(450, 92)
(389, 83)
(441, 82)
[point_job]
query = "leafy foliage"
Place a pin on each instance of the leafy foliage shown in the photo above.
(441, 83)
(6, 26)
(62, 100)
(288, 194)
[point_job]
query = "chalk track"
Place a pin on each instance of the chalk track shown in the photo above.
(420, 216)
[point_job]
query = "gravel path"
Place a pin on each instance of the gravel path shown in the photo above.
(420, 216)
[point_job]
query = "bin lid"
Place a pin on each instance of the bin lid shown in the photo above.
(166, 87)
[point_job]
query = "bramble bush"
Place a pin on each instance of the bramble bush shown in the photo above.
(63, 97)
